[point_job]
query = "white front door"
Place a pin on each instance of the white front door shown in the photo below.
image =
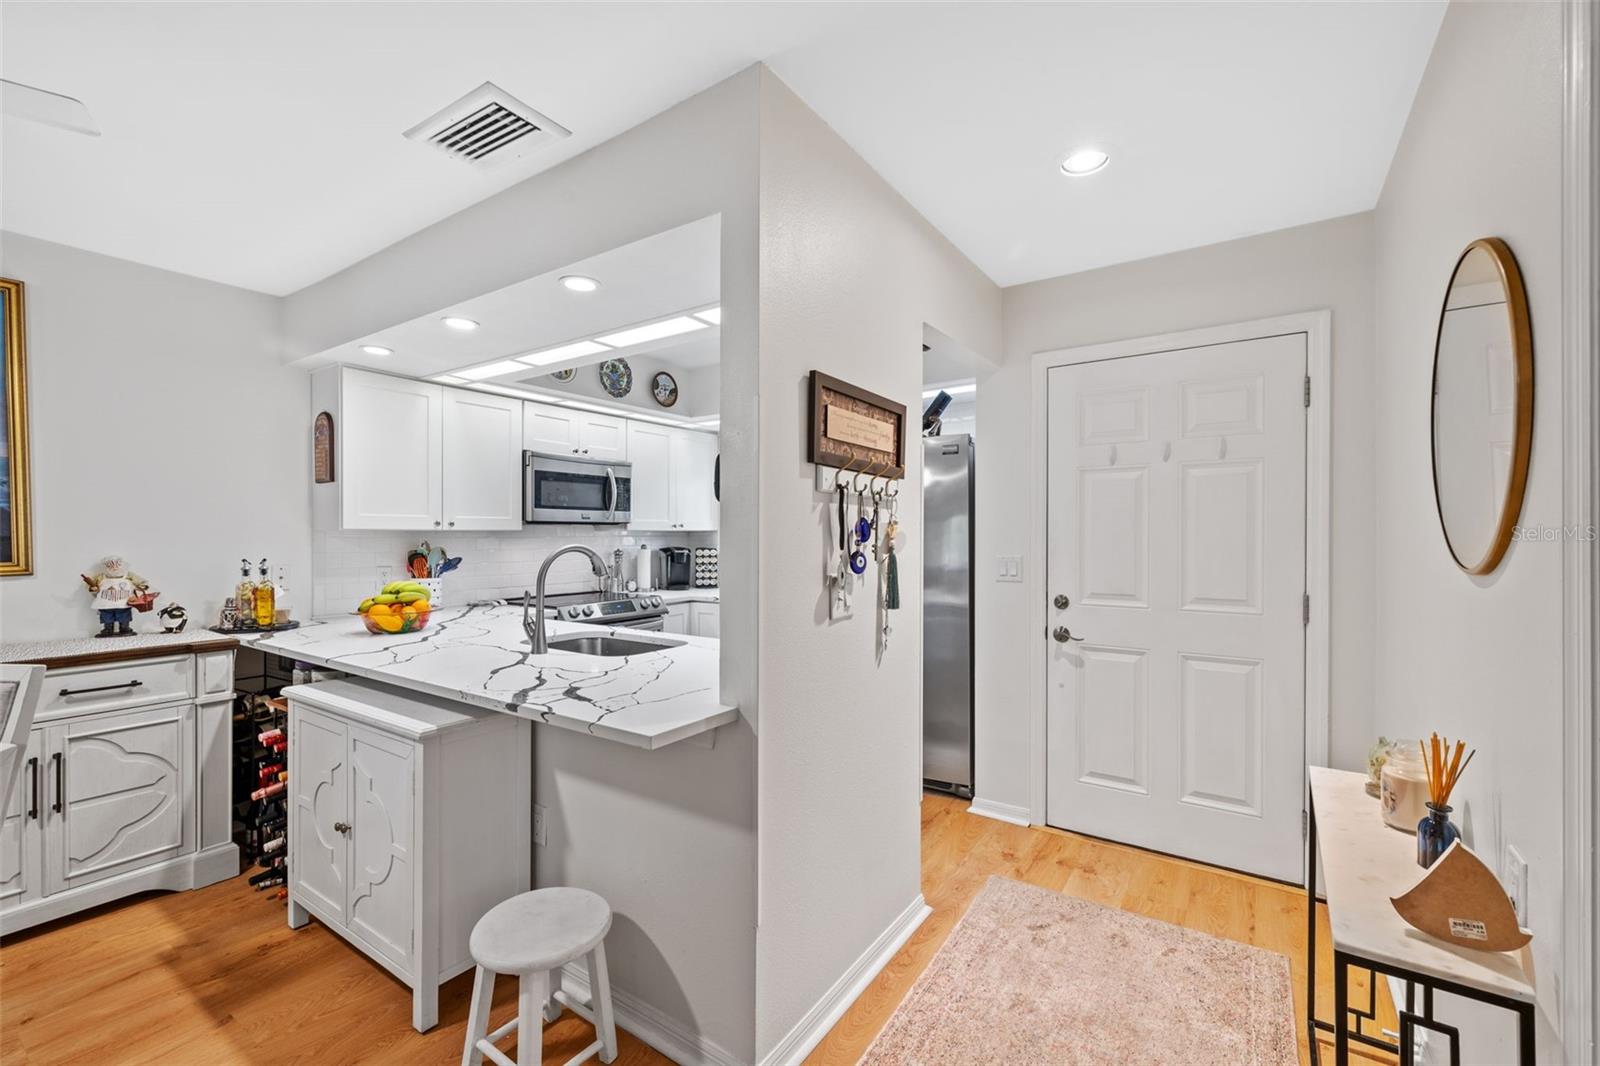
(1176, 570)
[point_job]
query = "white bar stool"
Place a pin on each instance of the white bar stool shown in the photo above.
(532, 935)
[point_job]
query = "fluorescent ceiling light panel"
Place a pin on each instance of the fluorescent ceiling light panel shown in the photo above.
(953, 390)
(506, 390)
(450, 379)
(51, 109)
(712, 315)
(492, 370)
(575, 350)
(653, 332)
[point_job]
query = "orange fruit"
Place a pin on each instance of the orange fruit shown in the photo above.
(378, 609)
(389, 623)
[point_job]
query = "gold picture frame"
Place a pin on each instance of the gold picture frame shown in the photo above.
(16, 514)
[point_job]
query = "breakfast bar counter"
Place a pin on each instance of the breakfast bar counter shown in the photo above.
(480, 656)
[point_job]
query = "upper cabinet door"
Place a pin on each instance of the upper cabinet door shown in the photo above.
(392, 453)
(602, 436)
(549, 429)
(694, 459)
(482, 461)
(651, 447)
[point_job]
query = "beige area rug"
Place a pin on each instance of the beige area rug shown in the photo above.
(1029, 976)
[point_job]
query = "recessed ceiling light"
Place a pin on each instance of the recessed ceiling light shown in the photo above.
(457, 322)
(653, 332)
(712, 315)
(1084, 161)
(376, 349)
(579, 283)
(566, 351)
(492, 370)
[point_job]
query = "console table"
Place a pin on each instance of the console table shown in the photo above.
(1365, 863)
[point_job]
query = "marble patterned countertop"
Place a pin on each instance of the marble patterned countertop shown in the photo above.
(480, 656)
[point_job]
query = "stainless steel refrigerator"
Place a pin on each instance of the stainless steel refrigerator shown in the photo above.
(947, 613)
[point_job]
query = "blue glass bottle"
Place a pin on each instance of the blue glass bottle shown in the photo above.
(1435, 834)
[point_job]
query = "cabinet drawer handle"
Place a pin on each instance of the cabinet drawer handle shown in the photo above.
(341, 827)
(33, 785)
(101, 688)
(61, 781)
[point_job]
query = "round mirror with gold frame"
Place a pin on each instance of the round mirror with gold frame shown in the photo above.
(1482, 405)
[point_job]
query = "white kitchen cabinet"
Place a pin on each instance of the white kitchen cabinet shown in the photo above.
(705, 619)
(677, 619)
(482, 461)
(555, 430)
(126, 786)
(390, 452)
(673, 471)
(408, 820)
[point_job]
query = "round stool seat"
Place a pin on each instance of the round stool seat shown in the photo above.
(540, 930)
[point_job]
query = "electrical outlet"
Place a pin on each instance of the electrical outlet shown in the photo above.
(538, 826)
(1514, 870)
(385, 575)
(1009, 568)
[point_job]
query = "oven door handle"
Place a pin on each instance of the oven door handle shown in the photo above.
(611, 493)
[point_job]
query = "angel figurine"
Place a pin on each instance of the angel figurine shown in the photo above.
(115, 588)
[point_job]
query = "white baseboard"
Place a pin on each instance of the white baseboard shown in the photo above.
(1000, 812)
(667, 1035)
(809, 1031)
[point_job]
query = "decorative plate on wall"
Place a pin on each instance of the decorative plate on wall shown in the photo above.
(664, 387)
(616, 377)
(566, 375)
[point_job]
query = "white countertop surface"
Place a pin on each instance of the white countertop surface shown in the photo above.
(706, 595)
(480, 656)
(129, 646)
(1364, 864)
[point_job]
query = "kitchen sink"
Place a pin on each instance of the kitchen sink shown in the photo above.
(611, 646)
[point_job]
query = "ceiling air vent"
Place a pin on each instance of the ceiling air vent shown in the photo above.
(487, 127)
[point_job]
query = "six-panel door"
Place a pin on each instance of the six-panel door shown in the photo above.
(118, 795)
(319, 781)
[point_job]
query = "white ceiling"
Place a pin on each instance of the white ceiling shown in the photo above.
(260, 144)
(666, 274)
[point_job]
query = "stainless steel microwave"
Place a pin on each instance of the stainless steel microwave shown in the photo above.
(560, 488)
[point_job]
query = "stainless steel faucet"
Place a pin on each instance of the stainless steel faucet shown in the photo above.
(534, 626)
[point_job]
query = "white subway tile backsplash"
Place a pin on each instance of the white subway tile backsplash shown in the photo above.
(346, 566)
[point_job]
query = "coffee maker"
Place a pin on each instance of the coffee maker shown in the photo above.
(674, 568)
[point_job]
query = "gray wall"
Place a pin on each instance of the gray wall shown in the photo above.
(1322, 265)
(164, 428)
(1478, 658)
(850, 274)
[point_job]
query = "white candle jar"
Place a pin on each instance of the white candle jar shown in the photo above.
(1404, 797)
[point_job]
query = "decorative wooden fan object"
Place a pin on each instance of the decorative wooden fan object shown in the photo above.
(1460, 901)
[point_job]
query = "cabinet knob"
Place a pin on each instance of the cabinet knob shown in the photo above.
(436, 525)
(452, 525)
(341, 827)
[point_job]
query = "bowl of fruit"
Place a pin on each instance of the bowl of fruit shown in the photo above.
(402, 607)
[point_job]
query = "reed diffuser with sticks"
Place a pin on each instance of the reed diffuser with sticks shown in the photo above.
(1435, 833)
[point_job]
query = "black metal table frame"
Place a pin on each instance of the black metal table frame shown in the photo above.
(1410, 1020)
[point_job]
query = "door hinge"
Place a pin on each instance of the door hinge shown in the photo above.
(1305, 610)
(1305, 825)
(1308, 390)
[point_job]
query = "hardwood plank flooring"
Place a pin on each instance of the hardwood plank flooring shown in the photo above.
(960, 851)
(215, 976)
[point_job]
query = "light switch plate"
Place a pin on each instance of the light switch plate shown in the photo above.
(1009, 568)
(538, 826)
(1515, 872)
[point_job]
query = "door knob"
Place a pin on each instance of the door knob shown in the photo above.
(1063, 634)
(1061, 601)
(341, 827)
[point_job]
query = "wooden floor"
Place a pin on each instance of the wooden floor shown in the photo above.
(960, 851)
(216, 977)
